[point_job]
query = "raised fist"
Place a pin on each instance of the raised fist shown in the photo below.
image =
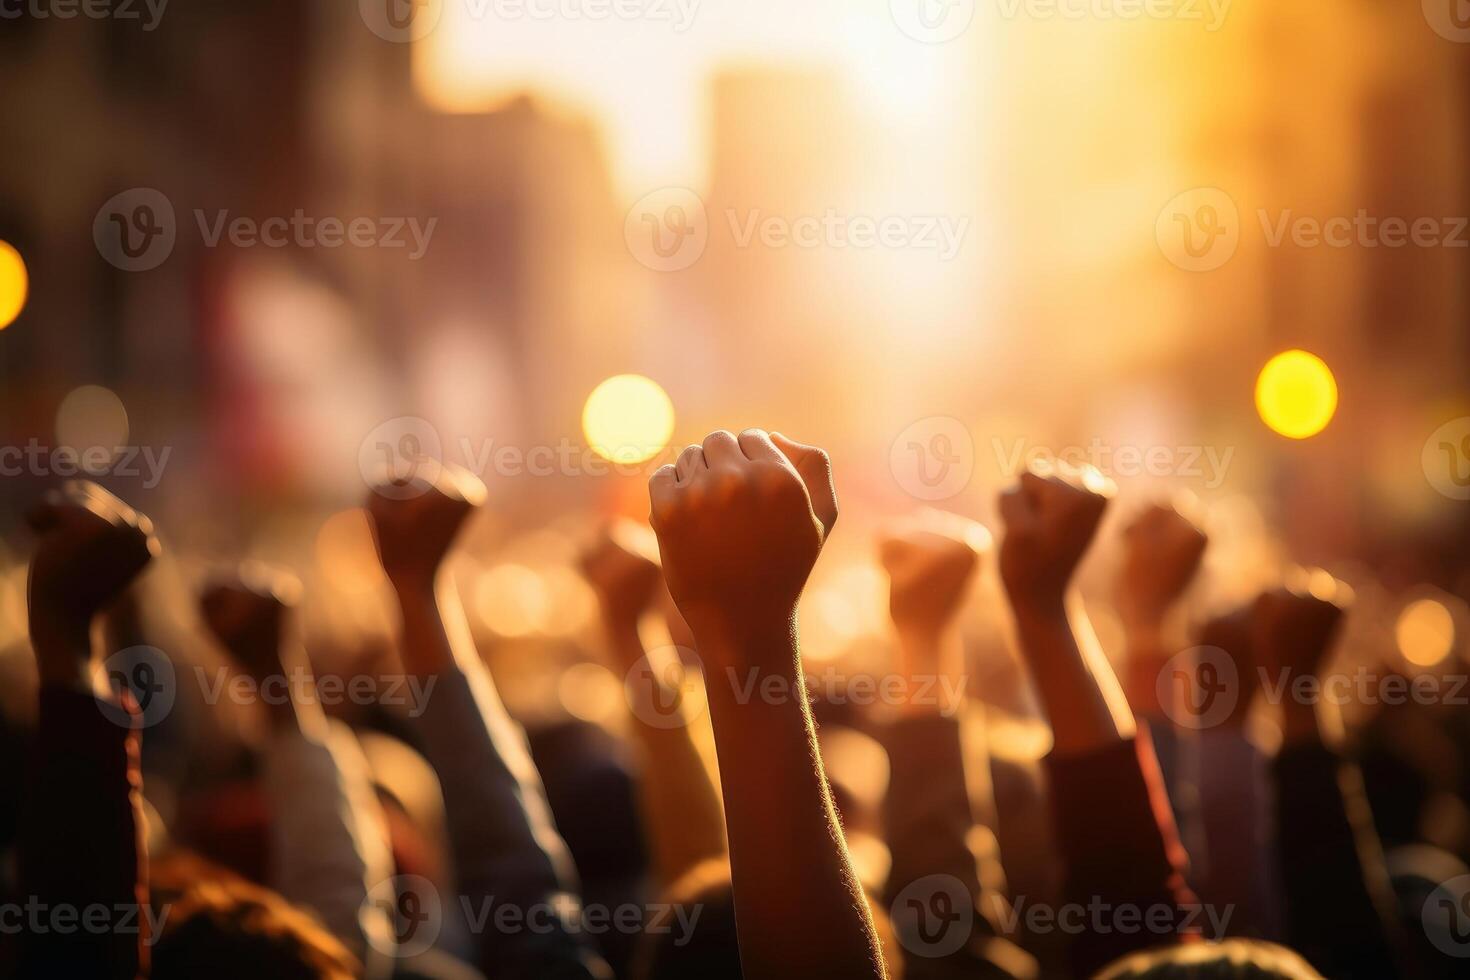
(1051, 515)
(1293, 627)
(622, 568)
(740, 522)
(1161, 553)
(930, 563)
(247, 612)
(92, 545)
(414, 532)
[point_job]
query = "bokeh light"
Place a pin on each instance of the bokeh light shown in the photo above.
(93, 422)
(628, 419)
(346, 554)
(1425, 632)
(1296, 394)
(513, 600)
(14, 284)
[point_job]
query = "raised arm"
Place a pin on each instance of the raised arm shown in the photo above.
(1112, 818)
(740, 523)
(81, 842)
(328, 843)
(928, 818)
(1338, 899)
(685, 819)
(506, 849)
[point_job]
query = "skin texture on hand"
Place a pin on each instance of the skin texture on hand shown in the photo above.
(740, 522)
(90, 547)
(1050, 518)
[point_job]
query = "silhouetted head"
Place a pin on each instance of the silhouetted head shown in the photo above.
(1233, 959)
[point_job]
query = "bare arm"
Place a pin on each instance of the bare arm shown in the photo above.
(740, 524)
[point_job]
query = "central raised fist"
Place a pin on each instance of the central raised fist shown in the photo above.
(930, 561)
(740, 522)
(1162, 552)
(1051, 515)
(415, 523)
(92, 545)
(247, 611)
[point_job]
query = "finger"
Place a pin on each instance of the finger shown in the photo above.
(662, 489)
(721, 449)
(690, 462)
(463, 484)
(756, 444)
(815, 468)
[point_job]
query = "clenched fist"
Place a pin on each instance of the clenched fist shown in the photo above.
(248, 613)
(1162, 552)
(91, 546)
(740, 522)
(930, 563)
(622, 568)
(414, 533)
(1293, 627)
(1051, 515)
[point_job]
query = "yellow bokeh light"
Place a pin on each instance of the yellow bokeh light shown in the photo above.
(628, 419)
(1425, 632)
(14, 284)
(1296, 394)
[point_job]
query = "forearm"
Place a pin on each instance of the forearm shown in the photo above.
(1083, 700)
(800, 909)
(686, 820)
(328, 840)
(80, 844)
(506, 849)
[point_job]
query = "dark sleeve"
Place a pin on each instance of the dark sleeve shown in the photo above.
(80, 853)
(1336, 887)
(506, 849)
(930, 829)
(1122, 854)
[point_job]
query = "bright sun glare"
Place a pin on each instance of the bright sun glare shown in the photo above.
(628, 419)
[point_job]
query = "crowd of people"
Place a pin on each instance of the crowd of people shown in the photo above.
(1160, 836)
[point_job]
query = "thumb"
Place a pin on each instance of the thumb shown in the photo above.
(815, 469)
